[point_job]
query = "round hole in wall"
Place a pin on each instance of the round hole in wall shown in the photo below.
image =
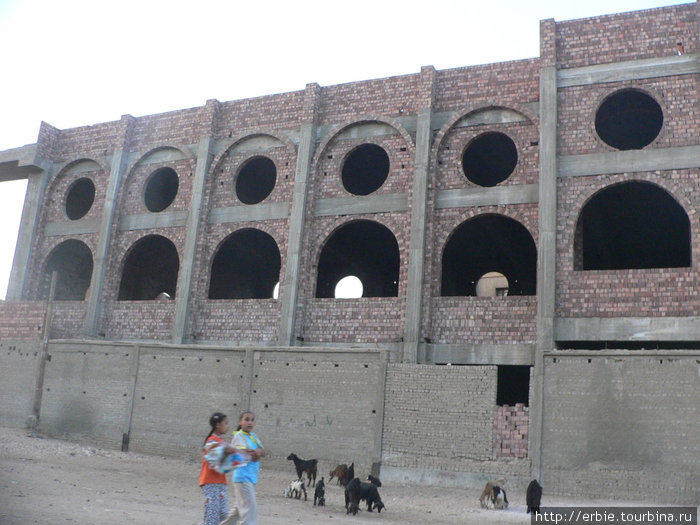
(629, 119)
(79, 199)
(365, 169)
(492, 284)
(256, 180)
(490, 158)
(161, 189)
(349, 287)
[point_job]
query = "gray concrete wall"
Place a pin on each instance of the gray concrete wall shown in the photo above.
(18, 368)
(618, 425)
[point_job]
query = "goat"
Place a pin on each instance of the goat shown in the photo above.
(356, 491)
(349, 475)
(487, 495)
(499, 498)
(305, 466)
(320, 494)
(295, 489)
(339, 473)
(533, 497)
(374, 481)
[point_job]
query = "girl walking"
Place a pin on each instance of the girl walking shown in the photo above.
(246, 476)
(213, 481)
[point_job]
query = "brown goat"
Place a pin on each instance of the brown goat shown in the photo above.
(340, 473)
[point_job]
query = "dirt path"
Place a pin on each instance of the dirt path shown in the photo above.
(50, 481)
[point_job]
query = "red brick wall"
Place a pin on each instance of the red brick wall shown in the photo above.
(238, 322)
(510, 431)
(68, 319)
(252, 114)
(150, 320)
(22, 320)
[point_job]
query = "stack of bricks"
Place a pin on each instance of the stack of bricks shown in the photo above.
(510, 431)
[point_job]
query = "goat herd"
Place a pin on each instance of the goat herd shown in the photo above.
(355, 490)
(493, 495)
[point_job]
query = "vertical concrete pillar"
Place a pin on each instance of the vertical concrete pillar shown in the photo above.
(546, 253)
(116, 173)
(289, 289)
(205, 154)
(416, 248)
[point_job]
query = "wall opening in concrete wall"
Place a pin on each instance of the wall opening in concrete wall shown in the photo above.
(151, 268)
(72, 260)
(632, 225)
(79, 199)
(489, 243)
(365, 169)
(246, 266)
(161, 189)
(489, 159)
(256, 180)
(513, 385)
(366, 249)
(349, 287)
(629, 119)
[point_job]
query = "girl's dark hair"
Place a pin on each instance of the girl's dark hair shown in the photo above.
(241, 417)
(215, 419)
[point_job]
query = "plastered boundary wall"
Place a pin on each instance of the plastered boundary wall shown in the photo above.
(622, 424)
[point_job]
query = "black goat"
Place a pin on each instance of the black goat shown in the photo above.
(356, 491)
(320, 494)
(533, 497)
(374, 481)
(305, 466)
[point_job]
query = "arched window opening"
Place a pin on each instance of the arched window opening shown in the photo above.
(633, 225)
(150, 269)
(349, 287)
(72, 260)
(629, 119)
(364, 249)
(365, 169)
(246, 266)
(256, 180)
(489, 159)
(492, 284)
(161, 189)
(80, 198)
(484, 244)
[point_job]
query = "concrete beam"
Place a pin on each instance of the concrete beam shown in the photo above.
(78, 227)
(19, 163)
(629, 70)
(257, 212)
(360, 205)
(461, 198)
(653, 159)
(480, 354)
(627, 329)
(145, 221)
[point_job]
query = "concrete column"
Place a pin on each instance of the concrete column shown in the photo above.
(99, 268)
(289, 290)
(416, 249)
(205, 154)
(36, 187)
(546, 254)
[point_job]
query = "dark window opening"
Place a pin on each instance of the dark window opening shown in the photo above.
(629, 119)
(489, 159)
(246, 266)
(150, 269)
(80, 198)
(72, 260)
(364, 249)
(633, 225)
(484, 244)
(365, 169)
(256, 180)
(513, 385)
(161, 189)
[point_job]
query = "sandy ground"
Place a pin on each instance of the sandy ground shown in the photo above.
(45, 481)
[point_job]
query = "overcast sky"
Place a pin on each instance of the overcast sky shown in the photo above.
(79, 62)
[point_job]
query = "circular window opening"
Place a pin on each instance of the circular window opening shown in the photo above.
(161, 189)
(349, 287)
(489, 159)
(629, 119)
(80, 197)
(256, 180)
(365, 169)
(492, 284)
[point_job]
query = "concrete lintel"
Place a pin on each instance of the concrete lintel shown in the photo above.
(481, 354)
(257, 212)
(627, 329)
(359, 205)
(521, 194)
(655, 159)
(19, 163)
(629, 70)
(146, 221)
(78, 227)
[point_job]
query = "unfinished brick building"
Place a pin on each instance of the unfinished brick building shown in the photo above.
(532, 220)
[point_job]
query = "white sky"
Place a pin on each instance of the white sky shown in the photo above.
(79, 62)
